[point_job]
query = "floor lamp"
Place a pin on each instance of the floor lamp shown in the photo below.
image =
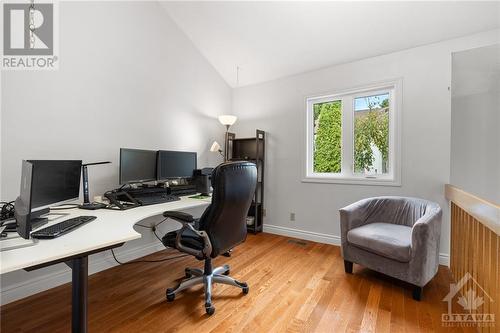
(226, 120)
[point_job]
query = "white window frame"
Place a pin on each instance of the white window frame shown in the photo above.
(347, 175)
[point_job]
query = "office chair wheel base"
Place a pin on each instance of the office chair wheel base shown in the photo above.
(210, 310)
(170, 296)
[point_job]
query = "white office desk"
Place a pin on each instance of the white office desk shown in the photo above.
(110, 229)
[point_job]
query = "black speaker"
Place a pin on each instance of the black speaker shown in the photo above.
(202, 180)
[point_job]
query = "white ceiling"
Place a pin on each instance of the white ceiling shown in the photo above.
(269, 40)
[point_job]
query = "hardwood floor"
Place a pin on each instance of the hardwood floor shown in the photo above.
(294, 287)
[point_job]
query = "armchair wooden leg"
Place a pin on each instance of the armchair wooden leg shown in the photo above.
(348, 267)
(417, 293)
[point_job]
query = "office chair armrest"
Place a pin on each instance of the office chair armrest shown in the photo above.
(179, 216)
(207, 245)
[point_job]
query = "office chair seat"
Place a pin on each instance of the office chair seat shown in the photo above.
(188, 238)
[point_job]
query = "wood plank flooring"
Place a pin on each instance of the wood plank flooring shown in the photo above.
(293, 288)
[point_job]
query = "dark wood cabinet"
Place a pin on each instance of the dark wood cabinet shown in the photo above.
(253, 150)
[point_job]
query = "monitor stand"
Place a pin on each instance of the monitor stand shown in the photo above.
(37, 222)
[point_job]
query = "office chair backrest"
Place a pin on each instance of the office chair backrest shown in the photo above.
(225, 219)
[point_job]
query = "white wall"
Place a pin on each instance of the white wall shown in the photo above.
(128, 77)
(279, 108)
(475, 154)
(475, 120)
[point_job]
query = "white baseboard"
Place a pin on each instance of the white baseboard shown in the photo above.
(97, 263)
(444, 259)
(302, 234)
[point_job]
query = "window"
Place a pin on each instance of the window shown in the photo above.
(353, 137)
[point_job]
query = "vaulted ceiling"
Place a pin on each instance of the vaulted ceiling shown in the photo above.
(269, 40)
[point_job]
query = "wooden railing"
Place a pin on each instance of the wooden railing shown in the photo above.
(475, 250)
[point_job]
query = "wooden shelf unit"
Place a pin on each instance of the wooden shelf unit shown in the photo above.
(253, 150)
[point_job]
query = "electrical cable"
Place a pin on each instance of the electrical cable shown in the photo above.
(147, 261)
(156, 225)
(122, 187)
(7, 210)
(152, 228)
(144, 226)
(158, 237)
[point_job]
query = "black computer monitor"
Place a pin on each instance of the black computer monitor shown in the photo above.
(54, 182)
(137, 166)
(175, 164)
(22, 213)
(44, 183)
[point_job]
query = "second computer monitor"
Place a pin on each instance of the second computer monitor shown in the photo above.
(137, 166)
(175, 164)
(54, 182)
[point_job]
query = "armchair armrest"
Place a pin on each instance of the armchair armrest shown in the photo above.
(425, 238)
(354, 215)
(179, 216)
(426, 232)
(351, 217)
(187, 223)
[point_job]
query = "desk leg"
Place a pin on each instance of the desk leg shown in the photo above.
(79, 267)
(79, 271)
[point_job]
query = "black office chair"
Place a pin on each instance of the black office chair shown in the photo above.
(221, 227)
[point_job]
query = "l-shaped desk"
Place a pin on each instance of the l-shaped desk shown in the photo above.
(109, 230)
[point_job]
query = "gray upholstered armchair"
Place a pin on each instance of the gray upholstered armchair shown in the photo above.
(395, 236)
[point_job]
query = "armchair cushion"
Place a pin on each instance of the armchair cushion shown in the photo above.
(392, 241)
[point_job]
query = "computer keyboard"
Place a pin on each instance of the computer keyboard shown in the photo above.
(62, 227)
(154, 198)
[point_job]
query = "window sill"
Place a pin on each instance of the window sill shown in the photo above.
(352, 181)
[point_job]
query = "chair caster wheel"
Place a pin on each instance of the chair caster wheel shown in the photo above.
(210, 310)
(245, 290)
(187, 273)
(226, 272)
(170, 295)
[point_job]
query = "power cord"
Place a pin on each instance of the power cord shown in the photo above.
(156, 235)
(7, 210)
(153, 229)
(122, 187)
(143, 261)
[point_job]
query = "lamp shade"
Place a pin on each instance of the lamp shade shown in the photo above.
(227, 119)
(215, 147)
